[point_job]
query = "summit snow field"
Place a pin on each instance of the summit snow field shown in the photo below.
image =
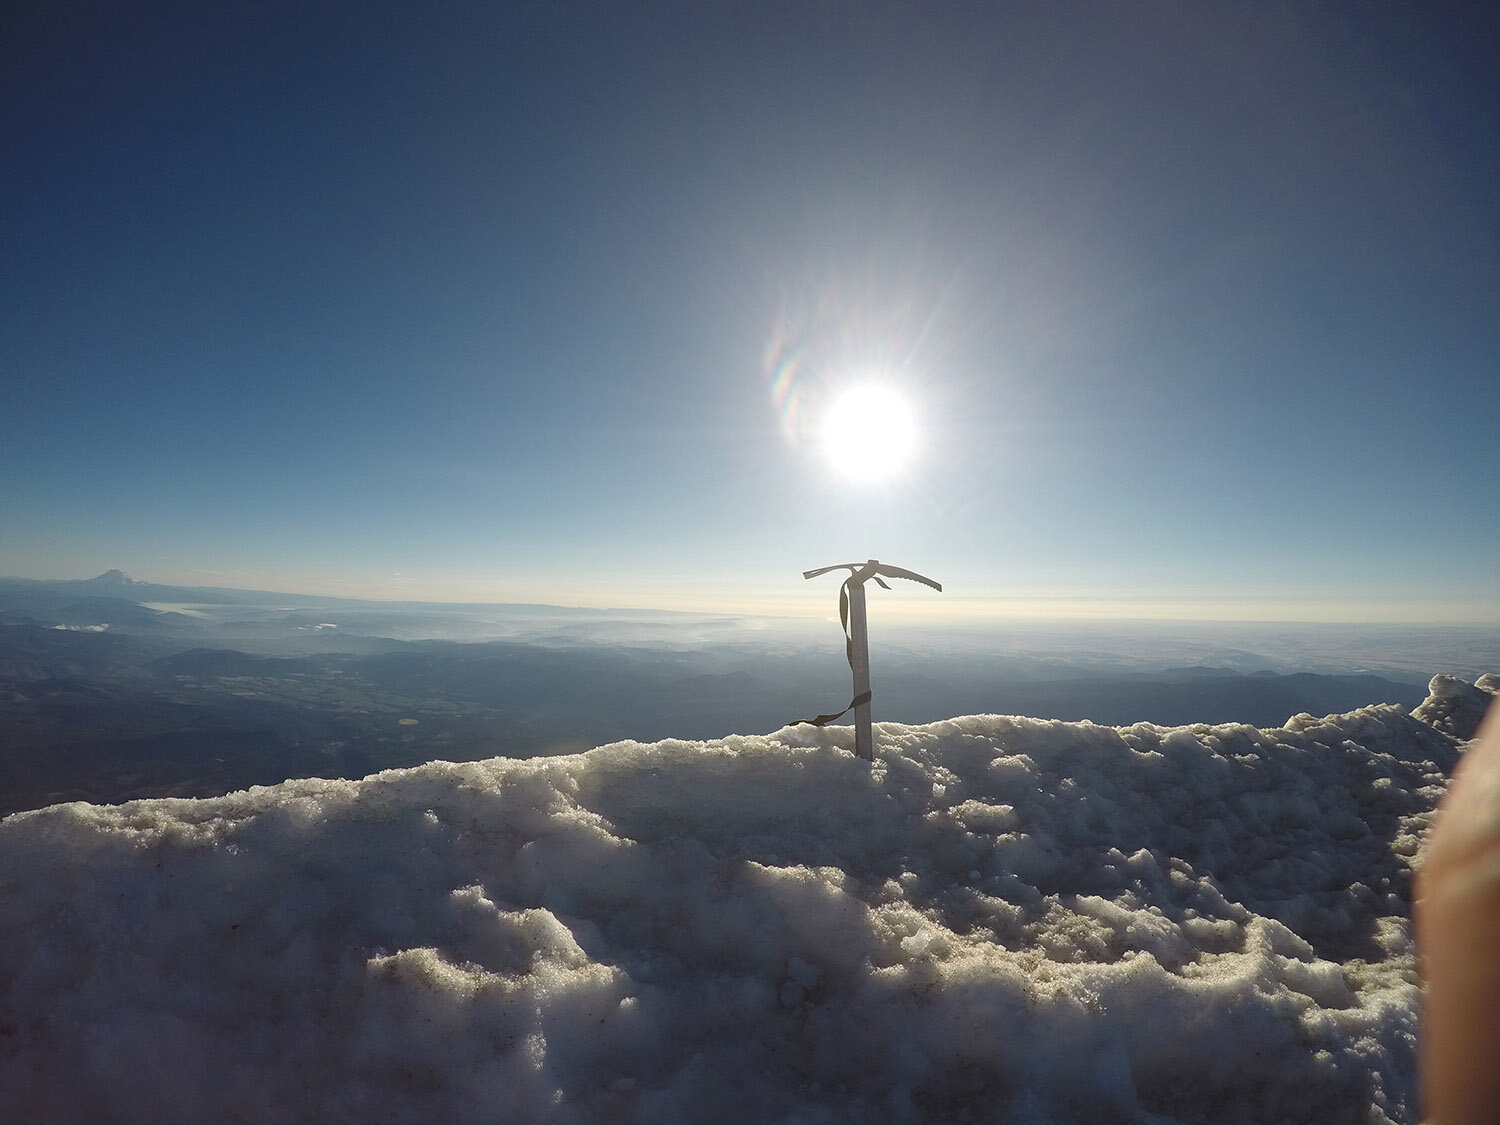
(1002, 919)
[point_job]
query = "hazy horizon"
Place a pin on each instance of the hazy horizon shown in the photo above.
(268, 621)
(817, 601)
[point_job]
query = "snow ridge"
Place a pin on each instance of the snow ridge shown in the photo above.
(1003, 919)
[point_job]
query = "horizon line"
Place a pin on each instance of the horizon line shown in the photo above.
(983, 611)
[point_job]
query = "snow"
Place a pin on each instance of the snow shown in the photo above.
(1458, 707)
(1002, 919)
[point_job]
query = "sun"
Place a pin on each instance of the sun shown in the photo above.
(869, 432)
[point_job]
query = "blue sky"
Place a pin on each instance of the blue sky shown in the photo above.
(1197, 305)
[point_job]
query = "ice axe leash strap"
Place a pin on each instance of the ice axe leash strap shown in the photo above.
(824, 720)
(858, 573)
(862, 697)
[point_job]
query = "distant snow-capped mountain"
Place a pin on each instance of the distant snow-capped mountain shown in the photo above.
(114, 580)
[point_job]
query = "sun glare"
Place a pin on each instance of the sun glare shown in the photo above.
(869, 433)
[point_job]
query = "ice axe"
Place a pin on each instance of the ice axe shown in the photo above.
(857, 641)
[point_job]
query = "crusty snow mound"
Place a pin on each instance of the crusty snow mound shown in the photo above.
(1458, 707)
(1003, 920)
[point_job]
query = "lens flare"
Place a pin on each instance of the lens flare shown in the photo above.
(785, 367)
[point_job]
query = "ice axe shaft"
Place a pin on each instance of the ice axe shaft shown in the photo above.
(859, 663)
(857, 641)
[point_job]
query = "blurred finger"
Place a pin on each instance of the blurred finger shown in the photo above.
(1458, 936)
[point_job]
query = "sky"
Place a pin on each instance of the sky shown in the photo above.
(1196, 306)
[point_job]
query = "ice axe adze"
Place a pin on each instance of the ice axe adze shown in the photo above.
(857, 642)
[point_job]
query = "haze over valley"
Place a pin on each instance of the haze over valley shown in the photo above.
(113, 689)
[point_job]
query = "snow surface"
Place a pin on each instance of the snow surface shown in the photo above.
(1458, 707)
(1002, 920)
